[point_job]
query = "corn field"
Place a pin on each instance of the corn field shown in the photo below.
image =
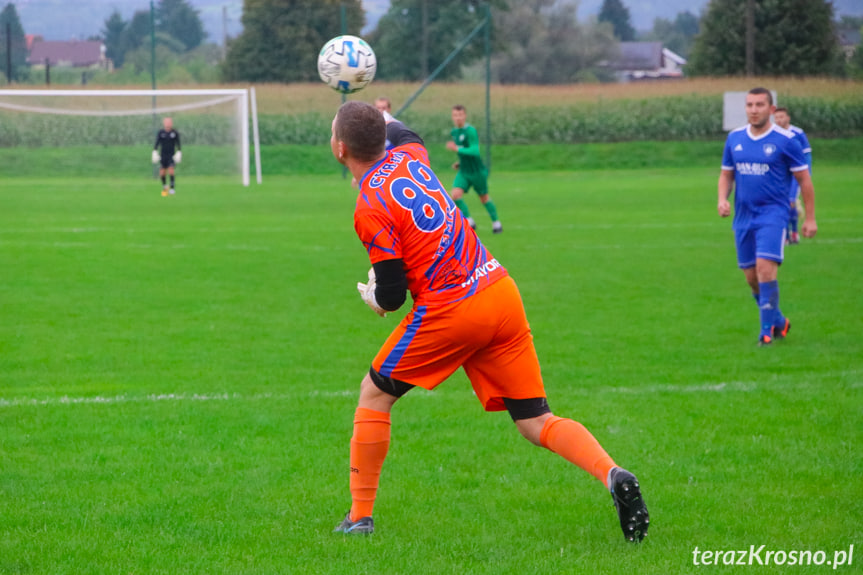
(301, 114)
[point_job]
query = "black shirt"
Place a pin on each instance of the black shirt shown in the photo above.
(398, 135)
(168, 140)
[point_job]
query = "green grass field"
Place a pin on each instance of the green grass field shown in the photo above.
(178, 378)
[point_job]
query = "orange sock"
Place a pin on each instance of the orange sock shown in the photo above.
(572, 441)
(369, 447)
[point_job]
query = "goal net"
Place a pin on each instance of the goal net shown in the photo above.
(71, 132)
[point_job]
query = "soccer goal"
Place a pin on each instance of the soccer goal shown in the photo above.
(118, 128)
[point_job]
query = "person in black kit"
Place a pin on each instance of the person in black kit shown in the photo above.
(169, 141)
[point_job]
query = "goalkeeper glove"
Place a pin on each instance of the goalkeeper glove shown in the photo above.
(367, 292)
(178, 157)
(155, 157)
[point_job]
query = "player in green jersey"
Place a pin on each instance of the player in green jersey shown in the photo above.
(471, 170)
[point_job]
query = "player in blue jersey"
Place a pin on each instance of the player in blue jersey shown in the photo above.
(783, 119)
(759, 162)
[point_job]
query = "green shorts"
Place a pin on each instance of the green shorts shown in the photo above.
(479, 182)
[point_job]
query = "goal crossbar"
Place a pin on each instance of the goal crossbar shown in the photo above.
(159, 110)
(242, 96)
(202, 92)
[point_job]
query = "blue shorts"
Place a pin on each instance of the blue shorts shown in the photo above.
(765, 242)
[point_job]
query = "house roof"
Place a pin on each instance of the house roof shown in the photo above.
(674, 57)
(31, 38)
(74, 53)
(638, 56)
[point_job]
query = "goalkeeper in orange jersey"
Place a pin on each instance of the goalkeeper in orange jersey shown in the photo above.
(466, 312)
(168, 140)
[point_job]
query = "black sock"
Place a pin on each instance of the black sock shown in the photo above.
(163, 180)
(172, 180)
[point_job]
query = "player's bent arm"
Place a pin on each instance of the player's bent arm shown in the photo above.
(726, 180)
(807, 190)
(469, 151)
(398, 134)
(392, 284)
(472, 147)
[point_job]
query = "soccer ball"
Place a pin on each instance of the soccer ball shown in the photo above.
(347, 64)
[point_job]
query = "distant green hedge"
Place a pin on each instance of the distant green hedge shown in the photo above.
(293, 159)
(827, 118)
(657, 119)
(48, 130)
(664, 119)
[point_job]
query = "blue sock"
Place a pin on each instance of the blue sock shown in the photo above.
(778, 318)
(768, 303)
(792, 221)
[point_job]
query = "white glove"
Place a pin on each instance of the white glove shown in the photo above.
(178, 157)
(155, 157)
(367, 292)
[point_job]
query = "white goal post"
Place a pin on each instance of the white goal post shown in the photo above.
(211, 97)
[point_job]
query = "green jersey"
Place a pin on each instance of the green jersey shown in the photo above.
(467, 140)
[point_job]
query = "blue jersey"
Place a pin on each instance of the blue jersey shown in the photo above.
(804, 141)
(794, 190)
(762, 167)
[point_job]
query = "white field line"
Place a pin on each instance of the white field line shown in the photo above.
(137, 246)
(147, 231)
(717, 388)
(285, 229)
(589, 245)
(116, 245)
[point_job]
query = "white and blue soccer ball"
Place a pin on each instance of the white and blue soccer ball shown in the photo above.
(347, 64)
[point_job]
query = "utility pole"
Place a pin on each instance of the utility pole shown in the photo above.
(487, 45)
(750, 38)
(343, 17)
(153, 49)
(424, 50)
(153, 74)
(9, 53)
(224, 32)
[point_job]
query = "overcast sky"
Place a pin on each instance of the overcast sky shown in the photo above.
(70, 19)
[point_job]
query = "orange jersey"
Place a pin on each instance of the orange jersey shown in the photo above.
(404, 212)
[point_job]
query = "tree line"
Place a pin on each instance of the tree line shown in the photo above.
(180, 49)
(534, 41)
(178, 27)
(537, 41)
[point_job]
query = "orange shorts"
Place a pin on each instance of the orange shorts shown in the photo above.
(487, 334)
